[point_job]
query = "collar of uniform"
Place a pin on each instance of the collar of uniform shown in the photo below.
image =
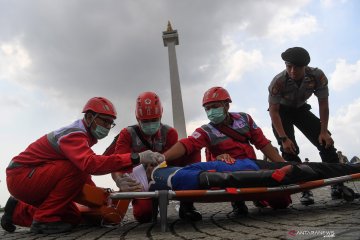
(234, 115)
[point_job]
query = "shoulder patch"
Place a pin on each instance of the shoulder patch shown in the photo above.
(196, 134)
(277, 86)
(274, 91)
(323, 80)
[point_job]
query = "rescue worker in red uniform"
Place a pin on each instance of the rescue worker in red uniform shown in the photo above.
(149, 134)
(216, 104)
(288, 94)
(45, 178)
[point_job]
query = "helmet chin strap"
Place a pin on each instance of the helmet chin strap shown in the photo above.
(92, 120)
(228, 119)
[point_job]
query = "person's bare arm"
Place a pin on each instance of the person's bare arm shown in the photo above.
(276, 120)
(176, 151)
(324, 137)
(270, 151)
(288, 145)
(116, 175)
(126, 183)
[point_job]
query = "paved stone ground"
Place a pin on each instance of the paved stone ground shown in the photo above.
(334, 219)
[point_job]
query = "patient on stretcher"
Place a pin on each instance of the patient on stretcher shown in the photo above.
(241, 173)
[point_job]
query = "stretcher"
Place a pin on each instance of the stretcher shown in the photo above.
(229, 194)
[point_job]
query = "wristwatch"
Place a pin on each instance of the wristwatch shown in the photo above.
(283, 139)
(135, 158)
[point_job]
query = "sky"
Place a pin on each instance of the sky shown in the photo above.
(55, 55)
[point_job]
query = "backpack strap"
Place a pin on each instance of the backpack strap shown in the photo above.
(111, 147)
(141, 137)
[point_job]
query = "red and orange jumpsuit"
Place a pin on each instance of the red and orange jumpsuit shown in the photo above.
(128, 141)
(218, 143)
(51, 172)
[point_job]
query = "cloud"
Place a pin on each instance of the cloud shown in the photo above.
(346, 127)
(191, 126)
(327, 3)
(278, 21)
(291, 25)
(345, 75)
(14, 61)
(237, 61)
(115, 49)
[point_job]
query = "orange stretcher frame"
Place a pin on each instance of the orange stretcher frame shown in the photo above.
(229, 194)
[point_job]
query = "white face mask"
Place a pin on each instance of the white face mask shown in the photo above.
(216, 115)
(150, 128)
(100, 132)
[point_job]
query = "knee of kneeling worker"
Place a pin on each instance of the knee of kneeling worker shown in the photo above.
(142, 210)
(143, 216)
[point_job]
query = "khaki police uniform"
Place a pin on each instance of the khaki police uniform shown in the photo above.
(294, 110)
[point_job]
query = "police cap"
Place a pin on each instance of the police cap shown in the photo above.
(297, 56)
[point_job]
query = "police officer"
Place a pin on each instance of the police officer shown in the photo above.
(288, 93)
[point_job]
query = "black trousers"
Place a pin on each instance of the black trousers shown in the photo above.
(264, 177)
(309, 125)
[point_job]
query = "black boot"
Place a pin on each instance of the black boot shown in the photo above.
(340, 191)
(50, 227)
(307, 198)
(336, 192)
(6, 219)
(239, 209)
(261, 204)
(188, 211)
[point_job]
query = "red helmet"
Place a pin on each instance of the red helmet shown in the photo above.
(148, 106)
(100, 105)
(216, 94)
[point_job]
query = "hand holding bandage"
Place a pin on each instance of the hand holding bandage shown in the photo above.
(127, 184)
(139, 175)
